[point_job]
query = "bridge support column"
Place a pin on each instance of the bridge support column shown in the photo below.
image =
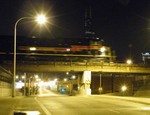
(86, 81)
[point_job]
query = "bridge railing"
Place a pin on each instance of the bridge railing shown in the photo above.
(82, 66)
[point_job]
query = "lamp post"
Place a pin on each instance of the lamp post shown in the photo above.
(41, 20)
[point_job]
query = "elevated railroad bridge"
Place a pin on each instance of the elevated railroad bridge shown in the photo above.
(79, 67)
(99, 72)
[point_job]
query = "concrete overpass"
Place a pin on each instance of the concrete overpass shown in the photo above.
(84, 68)
(79, 67)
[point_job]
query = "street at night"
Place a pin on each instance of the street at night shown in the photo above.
(56, 104)
(75, 57)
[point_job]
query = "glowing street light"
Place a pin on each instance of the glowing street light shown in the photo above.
(36, 76)
(67, 73)
(123, 88)
(129, 61)
(41, 19)
(73, 77)
(23, 77)
(65, 79)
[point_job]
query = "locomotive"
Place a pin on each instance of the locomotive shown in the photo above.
(81, 50)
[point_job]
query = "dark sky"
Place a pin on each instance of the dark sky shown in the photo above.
(118, 22)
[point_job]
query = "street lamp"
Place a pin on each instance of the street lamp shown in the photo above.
(129, 61)
(123, 88)
(41, 19)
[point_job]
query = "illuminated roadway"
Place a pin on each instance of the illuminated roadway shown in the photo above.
(93, 105)
(77, 105)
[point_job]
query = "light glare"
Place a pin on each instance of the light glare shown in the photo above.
(103, 49)
(124, 88)
(32, 48)
(129, 61)
(65, 79)
(41, 19)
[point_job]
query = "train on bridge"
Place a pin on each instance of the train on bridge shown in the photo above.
(73, 51)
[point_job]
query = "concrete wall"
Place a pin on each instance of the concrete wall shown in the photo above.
(5, 89)
(112, 84)
(143, 91)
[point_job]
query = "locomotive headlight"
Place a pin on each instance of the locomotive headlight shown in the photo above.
(102, 49)
(68, 50)
(32, 48)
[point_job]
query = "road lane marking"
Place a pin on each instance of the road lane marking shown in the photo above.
(43, 107)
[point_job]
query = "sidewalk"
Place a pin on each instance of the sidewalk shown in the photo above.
(29, 104)
(17, 104)
(142, 100)
(7, 104)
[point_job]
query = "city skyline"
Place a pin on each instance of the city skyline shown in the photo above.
(119, 23)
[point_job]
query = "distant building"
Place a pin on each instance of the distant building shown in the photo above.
(89, 33)
(146, 58)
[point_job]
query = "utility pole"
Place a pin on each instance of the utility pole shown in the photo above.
(24, 93)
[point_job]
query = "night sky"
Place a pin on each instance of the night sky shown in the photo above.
(119, 22)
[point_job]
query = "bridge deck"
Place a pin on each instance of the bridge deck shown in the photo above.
(80, 67)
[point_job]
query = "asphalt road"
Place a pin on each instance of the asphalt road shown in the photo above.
(93, 105)
(54, 104)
